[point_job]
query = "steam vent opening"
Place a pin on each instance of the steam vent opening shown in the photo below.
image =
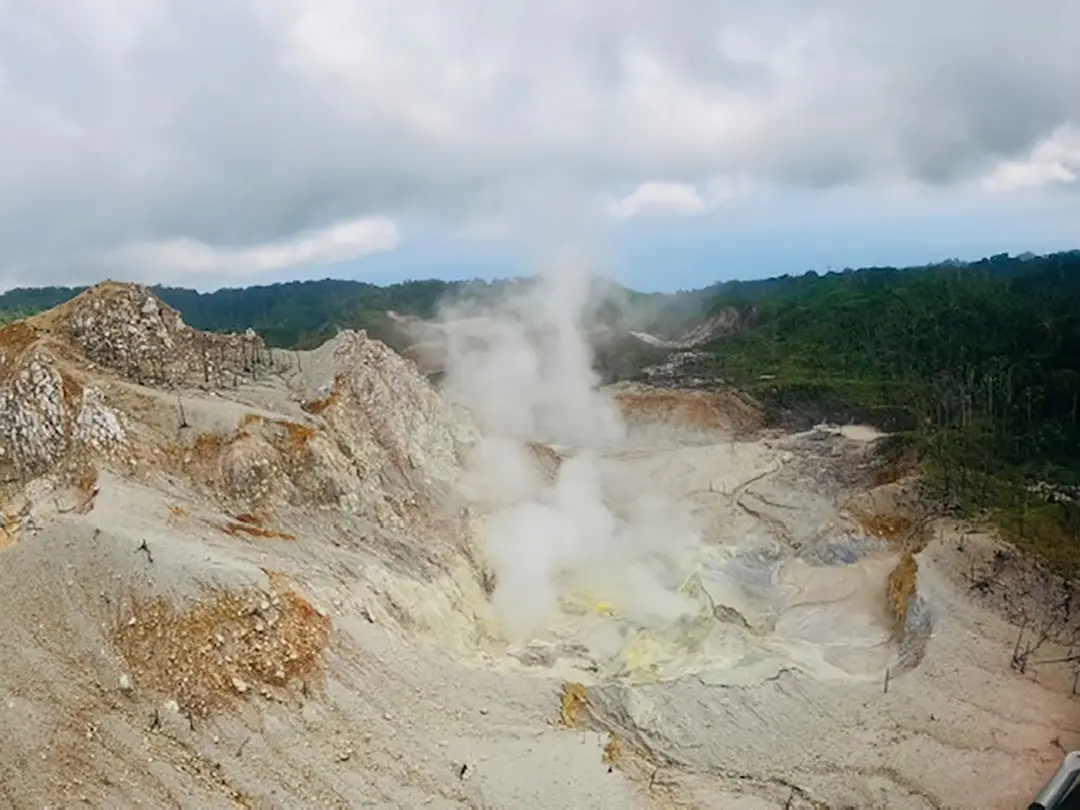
(678, 551)
(640, 534)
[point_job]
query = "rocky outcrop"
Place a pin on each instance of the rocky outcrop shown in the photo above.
(47, 412)
(376, 440)
(54, 369)
(725, 322)
(115, 378)
(127, 329)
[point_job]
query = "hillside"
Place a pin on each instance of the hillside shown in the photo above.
(235, 576)
(302, 314)
(976, 369)
(289, 315)
(976, 366)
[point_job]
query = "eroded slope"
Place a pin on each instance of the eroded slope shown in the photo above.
(242, 577)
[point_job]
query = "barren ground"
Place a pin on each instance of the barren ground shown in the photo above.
(168, 643)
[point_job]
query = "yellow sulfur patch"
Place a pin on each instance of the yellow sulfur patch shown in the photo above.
(642, 655)
(572, 702)
(612, 751)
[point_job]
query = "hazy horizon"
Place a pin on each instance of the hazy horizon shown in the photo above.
(495, 275)
(214, 145)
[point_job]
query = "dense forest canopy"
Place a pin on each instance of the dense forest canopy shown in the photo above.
(975, 365)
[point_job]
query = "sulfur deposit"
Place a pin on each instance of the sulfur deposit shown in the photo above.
(235, 576)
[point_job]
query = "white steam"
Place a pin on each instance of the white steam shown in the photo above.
(523, 366)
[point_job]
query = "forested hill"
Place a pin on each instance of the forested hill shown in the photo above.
(289, 315)
(303, 314)
(977, 366)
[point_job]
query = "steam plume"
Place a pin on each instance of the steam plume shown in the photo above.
(523, 366)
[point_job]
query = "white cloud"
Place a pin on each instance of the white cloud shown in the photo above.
(1052, 161)
(679, 199)
(240, 123)
(189, 259)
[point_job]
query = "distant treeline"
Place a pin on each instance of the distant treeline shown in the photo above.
(303, 314)
(288, 315)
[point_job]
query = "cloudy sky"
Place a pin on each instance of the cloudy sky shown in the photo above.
(226, 142)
